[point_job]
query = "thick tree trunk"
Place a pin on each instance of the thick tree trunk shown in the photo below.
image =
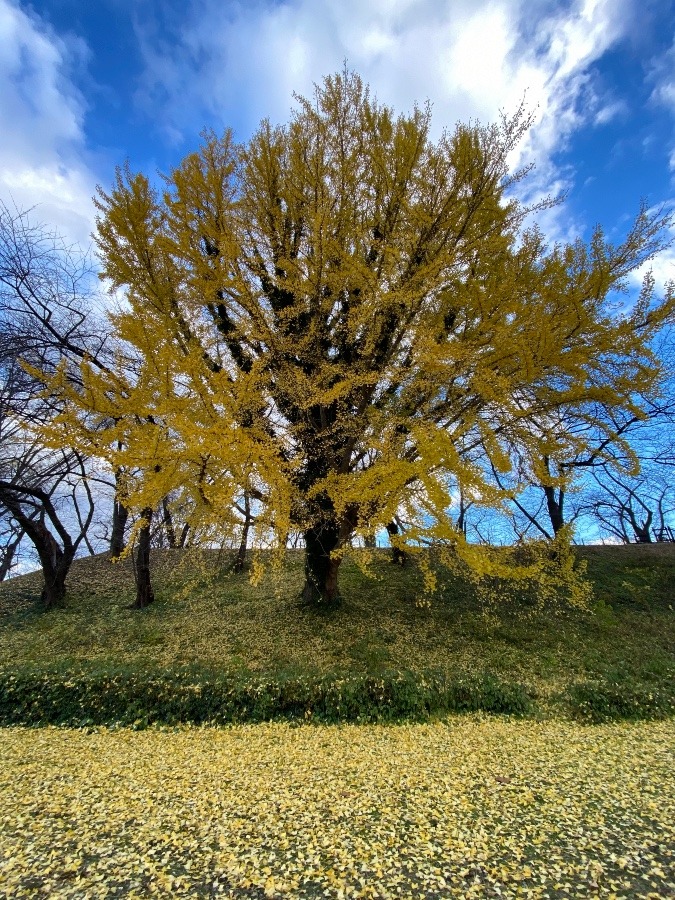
(55, 565)
(144, 593)
(55, 560)
(54, 589)
(120, 516)
(642, 532)
(321, 572)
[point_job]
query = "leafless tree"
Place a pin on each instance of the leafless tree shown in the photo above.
(45, 319)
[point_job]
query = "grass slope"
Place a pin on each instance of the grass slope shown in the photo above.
(208, 618)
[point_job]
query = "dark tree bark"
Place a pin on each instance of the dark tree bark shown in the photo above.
(241, 554)
(55, 559)
(8, 554)
(642, 530)
(554, 505)
(168, 525)
(55, 565)
(182, 540)
(120, 517)
(321, 571)
(555, 500)
(397, 554)
(144, 592)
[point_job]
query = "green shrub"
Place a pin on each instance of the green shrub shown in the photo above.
(603, 701)
(133, 697)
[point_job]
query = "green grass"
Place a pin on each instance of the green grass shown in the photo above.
(207, 618)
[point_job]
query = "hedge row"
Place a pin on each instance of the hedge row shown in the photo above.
(138, 698)
(605, 701)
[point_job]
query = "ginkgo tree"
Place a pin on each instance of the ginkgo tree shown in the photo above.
(345, 319)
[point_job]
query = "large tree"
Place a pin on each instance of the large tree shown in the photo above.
(345, 318)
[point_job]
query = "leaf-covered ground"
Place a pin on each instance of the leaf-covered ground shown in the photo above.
(470, 807)
(208, 617)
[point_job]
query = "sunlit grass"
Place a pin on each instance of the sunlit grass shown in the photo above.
(209, 617)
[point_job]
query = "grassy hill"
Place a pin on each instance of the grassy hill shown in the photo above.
(208, 619)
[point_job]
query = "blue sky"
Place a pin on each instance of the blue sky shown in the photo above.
(86, 85)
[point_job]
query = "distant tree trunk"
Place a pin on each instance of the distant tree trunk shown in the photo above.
(55, 565)
(144, 593)
(554, 502)
(463, 510)
(241, 555)
(397, 554)
(321, 571)
(168, 525)
(182, 540)
(55, 560)
(8, 555)
(642, 530)
(119, 521)
(554, 505)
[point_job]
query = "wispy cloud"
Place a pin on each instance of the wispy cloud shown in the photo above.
(663, 74)
(41, 122)
(471, 58)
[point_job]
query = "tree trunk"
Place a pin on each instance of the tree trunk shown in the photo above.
(8, 556)
(144, 593)
(55, 565)
(55, 560)
(168, 525)
(321, 572)
(241, 555)
(397, 554)
(182, 540)
(120, 516)
(642, 532)
(554, 504)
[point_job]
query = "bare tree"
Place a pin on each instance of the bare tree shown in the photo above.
(11, 535)
(635, 509)
(44, 317)
(44, 492)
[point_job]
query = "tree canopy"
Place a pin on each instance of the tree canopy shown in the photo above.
(343, 318)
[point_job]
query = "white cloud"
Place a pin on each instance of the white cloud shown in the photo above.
(41, 122)
(663, 73)
(471, 58)
(610, 111)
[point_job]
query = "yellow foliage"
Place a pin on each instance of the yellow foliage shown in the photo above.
(342, 315)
